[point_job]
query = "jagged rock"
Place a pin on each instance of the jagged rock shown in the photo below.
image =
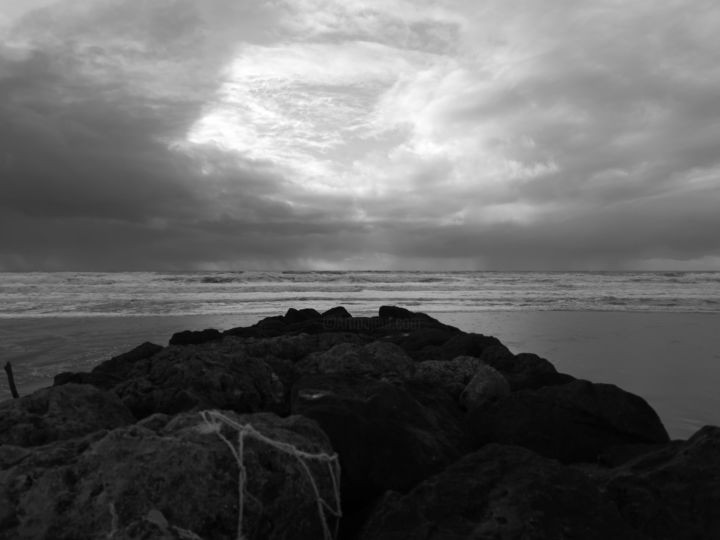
(573, 422)
(378, 358)
(190, 337)
(395, 312)
(109, 373)
(293, 348)
(293, 316)
(523, 371)
(672, 493)
(338, 312)
(265, 328)
(421, 343)
(450, 375)
(60, 412)
(487, 385)
(500, 492)
(460, 344)
(386, 438)
(214, 375)
(135, 483)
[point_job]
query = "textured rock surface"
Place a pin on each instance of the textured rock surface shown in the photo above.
(377, 358)
(500, 492)
(135, 482)
(190, 337)
(525, 370)
(60, 412)
(486, 386)
(577, 421)
(109, 373)
(386, 438)
(213, 375)
(672, 493)
(450, 375)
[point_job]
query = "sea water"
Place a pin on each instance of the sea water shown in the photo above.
(653, 333)
(262, 293)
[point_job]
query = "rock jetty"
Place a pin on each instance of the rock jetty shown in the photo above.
(325, 426)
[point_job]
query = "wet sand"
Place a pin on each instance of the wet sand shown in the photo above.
(671, 359)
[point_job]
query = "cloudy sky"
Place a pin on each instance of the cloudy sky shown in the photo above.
(334, 134)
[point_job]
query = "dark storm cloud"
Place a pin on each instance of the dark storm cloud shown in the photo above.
(89, 179)
(320, 133)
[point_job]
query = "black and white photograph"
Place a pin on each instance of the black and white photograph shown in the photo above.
(359, 270)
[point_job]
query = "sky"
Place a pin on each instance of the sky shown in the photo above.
(359, 134)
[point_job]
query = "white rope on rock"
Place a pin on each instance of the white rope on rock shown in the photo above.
(214, 420)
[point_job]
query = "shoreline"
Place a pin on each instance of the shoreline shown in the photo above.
(670, 359)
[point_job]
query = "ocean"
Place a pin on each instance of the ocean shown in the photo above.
(653, 333)
(264, 293)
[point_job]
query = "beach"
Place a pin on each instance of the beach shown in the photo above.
(670, 359)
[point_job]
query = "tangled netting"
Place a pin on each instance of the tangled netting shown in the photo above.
(214, 420)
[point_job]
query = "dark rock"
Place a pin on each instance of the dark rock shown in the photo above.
(486, 386)
(176, 481)
(459, 344)
(243, 332)
(524, 370)
(395, 312)
(314, 326)
(190, 337)
(450, 375)
(574, 422)
(500, 492)
(289, 347)
(386, 438)
(420, 344)
(119, 364)
(109, 373)
(265, 328)
(294, 316)
(378, 358)
(468, 345)
(185, 378)
(72, 377)
(618, 455)
(60, 412)
(672, 493)
(338, 312)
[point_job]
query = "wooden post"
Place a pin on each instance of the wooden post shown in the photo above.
(11, 380)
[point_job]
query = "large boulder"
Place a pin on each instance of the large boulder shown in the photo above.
(60, 412)
(338, 312)
(421, 343)
(573, 422)
(450, 375)
(396, 312)
(487, 385)
(178, 480)
(388, 437)
(214, 375)
(195, 337)
(458, 344)
(672, 493)
(500, 492)
(294, 316)
(525, 370)
(109, 373)
(377, 358)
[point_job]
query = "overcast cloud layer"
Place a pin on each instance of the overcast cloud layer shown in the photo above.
(333, 134)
